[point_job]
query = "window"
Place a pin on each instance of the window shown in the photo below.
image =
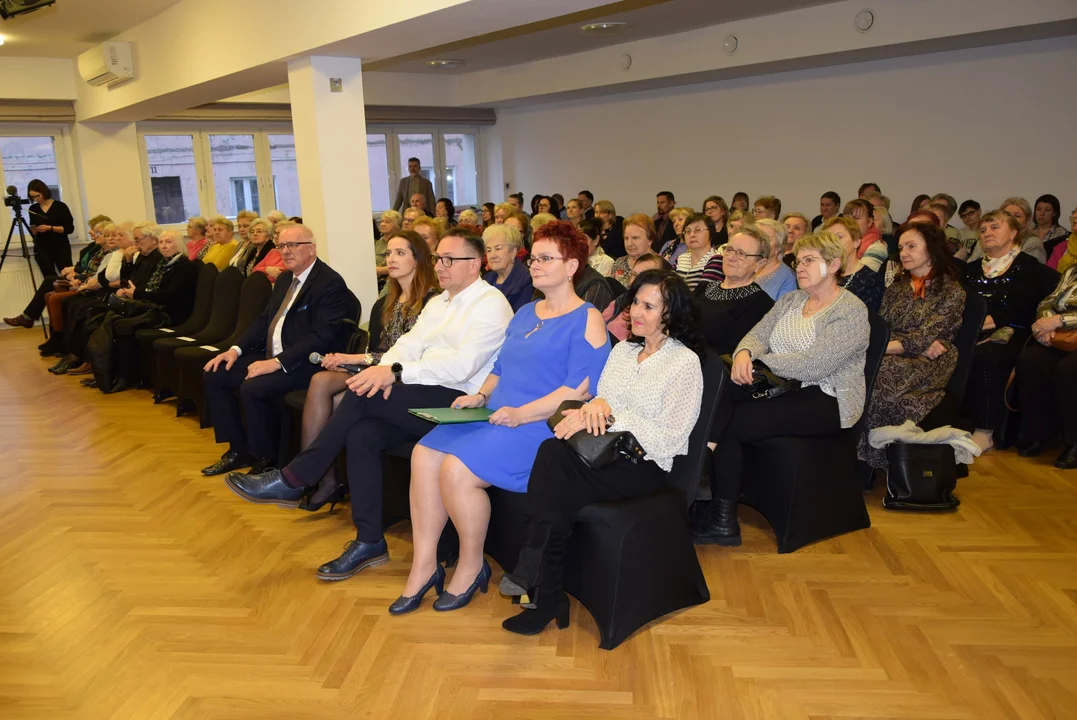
(220, 173)
(29, 158)
(172, 166)
(232, 157)
(378, 160)
(168, 199)
(285, 176)
(245, 194)
(454, 152)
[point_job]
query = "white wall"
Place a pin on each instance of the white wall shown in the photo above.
(110, 171)
(984, 123)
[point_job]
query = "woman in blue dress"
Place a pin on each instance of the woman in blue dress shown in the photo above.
(554, 351)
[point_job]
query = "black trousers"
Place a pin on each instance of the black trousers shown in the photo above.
(37, 303)
(367, 427)
(1047, 391)
(82, 315)
(741, 419)
(561, 485)
(52, 255)
(262, 401)
(991, 365)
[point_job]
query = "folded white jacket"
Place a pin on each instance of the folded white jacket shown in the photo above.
(965, 450)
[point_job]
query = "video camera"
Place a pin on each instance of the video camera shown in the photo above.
(12, 200)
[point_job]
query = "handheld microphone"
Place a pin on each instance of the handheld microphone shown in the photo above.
(316, 359)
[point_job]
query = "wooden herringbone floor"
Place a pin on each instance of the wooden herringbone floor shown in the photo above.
(132, 587)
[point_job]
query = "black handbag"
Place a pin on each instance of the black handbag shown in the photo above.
(597, 451)
(765, 384)
(920, 477)
(127, 308)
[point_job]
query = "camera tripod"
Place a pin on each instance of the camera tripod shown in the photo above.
(17, 221)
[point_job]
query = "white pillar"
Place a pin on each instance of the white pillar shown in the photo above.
(331, 161)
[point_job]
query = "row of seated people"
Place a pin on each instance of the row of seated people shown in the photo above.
(816, 334)
(137, 276)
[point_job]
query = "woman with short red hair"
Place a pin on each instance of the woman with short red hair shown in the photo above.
(554, 350)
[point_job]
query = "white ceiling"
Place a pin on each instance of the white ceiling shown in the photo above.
(561, 36)
(71, 27)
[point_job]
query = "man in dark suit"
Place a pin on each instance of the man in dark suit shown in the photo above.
(414, 184)
(663, 225)
(305, 314)
(587, 200)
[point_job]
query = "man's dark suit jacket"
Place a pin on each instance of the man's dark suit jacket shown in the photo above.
(313, 324)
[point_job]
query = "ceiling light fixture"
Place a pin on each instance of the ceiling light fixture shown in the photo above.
(1, 39)
(864, 21)
(444, 63)
(605, 29)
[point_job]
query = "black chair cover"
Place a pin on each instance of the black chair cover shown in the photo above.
(222, 319)
(808, 488)
(630, 562)
(199, 318)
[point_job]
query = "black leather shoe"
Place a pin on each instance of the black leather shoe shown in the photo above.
(161, 395)
(356, 556)
(532, 622)
(268, 488)
(186, 407)
(262, 465)
(61, 367)
(118, 386)
(1031, 450)
(1068, 459)
(230, 461)
(88, 382)
(716, 524)
(408, 603)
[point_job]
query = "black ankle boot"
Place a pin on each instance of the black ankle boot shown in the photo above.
(525, 575)
(717, 525)
(53, 346)
(549, 597)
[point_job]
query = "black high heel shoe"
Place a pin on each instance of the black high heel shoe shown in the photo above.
(308, 503)
(407, 603)
(531, 622)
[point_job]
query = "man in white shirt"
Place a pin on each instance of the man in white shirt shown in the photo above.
(448, 353)
(305, 314)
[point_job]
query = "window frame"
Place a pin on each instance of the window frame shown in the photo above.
(66, 170)
(438, 132)
(200, 133)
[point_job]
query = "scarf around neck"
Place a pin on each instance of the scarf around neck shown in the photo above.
(993, 267)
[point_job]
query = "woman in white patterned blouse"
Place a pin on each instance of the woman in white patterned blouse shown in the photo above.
(652, 387)
(817, 335)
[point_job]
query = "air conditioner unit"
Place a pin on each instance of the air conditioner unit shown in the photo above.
(108, 64)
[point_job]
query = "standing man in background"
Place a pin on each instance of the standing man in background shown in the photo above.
(413, 184)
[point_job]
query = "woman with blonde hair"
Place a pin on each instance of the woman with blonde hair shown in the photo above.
(411, 283)
(1065, 255)
(611, 232)
(224, 242)
(673, 249)
(856, 276)
(1027, 240)
(431, 230)
(508, 273)
(541, 219)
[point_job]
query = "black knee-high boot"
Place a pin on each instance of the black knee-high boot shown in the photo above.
(551, 602)
(526, 573)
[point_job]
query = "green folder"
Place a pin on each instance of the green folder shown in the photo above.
(453, 416)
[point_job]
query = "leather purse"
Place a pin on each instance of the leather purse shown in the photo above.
(920, 478)
(597, 451)
(765, 384)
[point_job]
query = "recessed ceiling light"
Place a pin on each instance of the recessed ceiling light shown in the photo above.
(444, 63)
(1, 39)
(605, 29)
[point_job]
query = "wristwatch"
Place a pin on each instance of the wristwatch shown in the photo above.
(397, 368)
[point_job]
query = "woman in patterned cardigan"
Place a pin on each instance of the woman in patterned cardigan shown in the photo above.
(818, 335)
(924, 308)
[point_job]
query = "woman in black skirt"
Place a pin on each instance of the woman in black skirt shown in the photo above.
(651, 386)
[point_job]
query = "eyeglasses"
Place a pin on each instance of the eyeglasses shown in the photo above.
(730, 251)
(290, 246)
(542, 259)
(967, 214)
(807, 262)
(447, 261)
